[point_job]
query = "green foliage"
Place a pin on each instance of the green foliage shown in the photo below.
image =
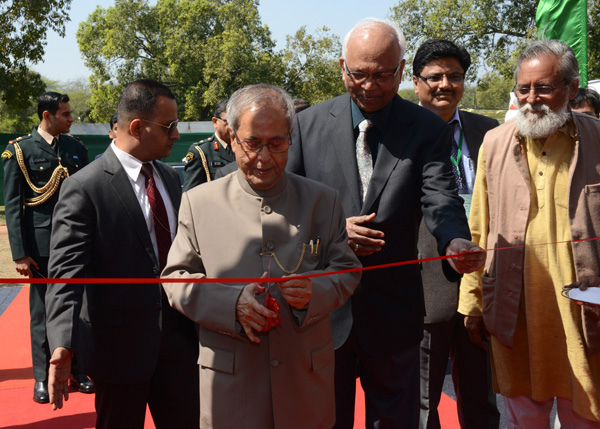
(409, 95)
(490, 30)
(25, 25)
(493, 92)
(312, 68)
(203, 49)
(494, 32)
(593, 39)
(17, 120)
(79, 95)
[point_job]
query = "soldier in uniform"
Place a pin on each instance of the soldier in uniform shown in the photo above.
(207, 156)
(34, 168)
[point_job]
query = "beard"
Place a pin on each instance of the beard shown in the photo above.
(536, 126)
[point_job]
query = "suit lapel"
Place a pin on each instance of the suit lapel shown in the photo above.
(173, 187)
(340, 136)
(120, 184)
(473, 133)
(398, 135)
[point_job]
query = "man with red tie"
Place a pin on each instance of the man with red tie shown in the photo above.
(117, 220)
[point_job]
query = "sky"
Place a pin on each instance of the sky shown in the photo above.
(63, 62)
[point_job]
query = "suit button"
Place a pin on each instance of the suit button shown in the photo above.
(268, 210)
(270, 245)
(274, 363)
(157, 306)
(513, 266)
(155, 271)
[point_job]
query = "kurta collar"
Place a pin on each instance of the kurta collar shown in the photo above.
(275, 190)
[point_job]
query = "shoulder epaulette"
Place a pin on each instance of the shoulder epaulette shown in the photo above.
(18, 139)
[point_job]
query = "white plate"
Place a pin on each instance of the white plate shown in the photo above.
(590, 295)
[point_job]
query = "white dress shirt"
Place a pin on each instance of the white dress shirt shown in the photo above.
(133, 168)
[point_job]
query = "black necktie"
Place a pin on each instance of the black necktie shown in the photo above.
(457, 164)
(162, 230)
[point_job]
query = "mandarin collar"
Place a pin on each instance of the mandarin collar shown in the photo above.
(263, 193)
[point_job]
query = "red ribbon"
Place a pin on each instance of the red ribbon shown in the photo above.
(262, 279)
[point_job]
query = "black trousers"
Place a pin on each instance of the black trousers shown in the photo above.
(172, 393)
(40, 353)
(390, 383)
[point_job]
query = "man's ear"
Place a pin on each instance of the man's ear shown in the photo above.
(46, 115)
(135, 128)
(573, 88)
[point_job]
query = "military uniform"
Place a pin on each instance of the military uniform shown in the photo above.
(29, 215)
(198, 168)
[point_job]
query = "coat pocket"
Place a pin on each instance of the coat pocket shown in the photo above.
(216, 359)
(322, 356)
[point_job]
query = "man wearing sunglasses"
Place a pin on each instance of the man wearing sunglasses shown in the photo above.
(207, 156)
(117, 220)
(536, 190)
(439, 69)
(390, 161)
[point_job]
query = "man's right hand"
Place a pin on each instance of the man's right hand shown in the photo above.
(22, 266)
(250, 313)
(58, 376)
(362, 240)
(477, 331)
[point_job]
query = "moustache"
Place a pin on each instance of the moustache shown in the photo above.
(534, 108)
(443, 91)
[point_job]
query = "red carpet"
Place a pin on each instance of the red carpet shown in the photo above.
(18, 411)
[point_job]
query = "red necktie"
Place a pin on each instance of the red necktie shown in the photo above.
(159, 215)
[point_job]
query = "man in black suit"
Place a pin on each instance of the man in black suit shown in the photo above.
(117, 220)
(439, 69)
(386, 180)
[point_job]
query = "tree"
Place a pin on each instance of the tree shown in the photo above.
(203, 49)
(25, 25)
(494, 32)
(489, 29)
(312, 65)
(79, 96)
(493, 92)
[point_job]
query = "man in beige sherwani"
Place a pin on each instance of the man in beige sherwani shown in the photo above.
(278, 225)
(536, 189)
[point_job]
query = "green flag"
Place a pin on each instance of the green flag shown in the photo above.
(566, 20)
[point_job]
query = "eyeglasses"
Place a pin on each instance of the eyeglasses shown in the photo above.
(255, 146)
(542, 90)
(221, 119)
(454, 78)
(360, 77)
(170, 128)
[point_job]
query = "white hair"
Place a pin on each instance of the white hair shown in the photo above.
(369, 23)
(531, 125)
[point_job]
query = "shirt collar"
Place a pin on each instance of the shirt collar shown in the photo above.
(379, 118)
(46, 135)
(456, 118)
(130, 163)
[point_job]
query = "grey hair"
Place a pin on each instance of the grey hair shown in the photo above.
(369, 23)
(256, 96)
(568, 67)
